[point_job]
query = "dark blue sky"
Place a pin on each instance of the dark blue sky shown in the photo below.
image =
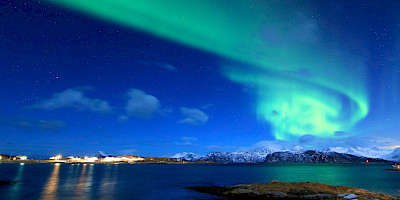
(72, 83)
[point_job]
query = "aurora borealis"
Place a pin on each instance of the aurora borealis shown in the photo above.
(159, 77)
(279, 43)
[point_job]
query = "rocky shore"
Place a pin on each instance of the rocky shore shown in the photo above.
(297, 190)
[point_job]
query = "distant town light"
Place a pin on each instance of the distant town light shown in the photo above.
(58, 157)
(74, 158)
(112, 159)
(90, 159)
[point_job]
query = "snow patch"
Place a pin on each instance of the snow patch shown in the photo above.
(393, 156)
(360, 151)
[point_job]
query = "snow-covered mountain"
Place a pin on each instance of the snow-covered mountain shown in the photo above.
(102, 154)
(187, 156)
(297, 149)
(255, 156)
(234, 157)
(260, 155)
(394, 156)
(360, 151)
(312, 156)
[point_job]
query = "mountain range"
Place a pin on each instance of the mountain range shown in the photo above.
(312, 156)
(298, 154)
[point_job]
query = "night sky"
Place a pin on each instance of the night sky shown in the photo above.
(156, 78)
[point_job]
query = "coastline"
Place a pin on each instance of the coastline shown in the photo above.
(294, 190)
(103, 163)
(31, 161)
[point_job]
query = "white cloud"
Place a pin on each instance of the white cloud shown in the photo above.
(141, 104)
(183, 144)
(167, 66)
(189, 139)
(165, 111)
(30, 124)
(207, 106)
(341, 133)
(306, 138)
(193, 116)
(185, 141)
(123, 118)
(73, 98)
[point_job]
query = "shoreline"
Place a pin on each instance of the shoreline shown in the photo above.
(291, 190)
(101, 163)
(31, 161)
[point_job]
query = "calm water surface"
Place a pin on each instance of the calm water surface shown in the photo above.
(163, 181)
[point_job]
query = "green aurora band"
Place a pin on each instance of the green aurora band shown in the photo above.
(305, 86)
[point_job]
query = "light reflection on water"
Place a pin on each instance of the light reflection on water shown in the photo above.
(147, 181)
(17, 186)
(50, 189)
(80, 187)
(107, 183)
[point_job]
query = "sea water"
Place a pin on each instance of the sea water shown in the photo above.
(168, 181)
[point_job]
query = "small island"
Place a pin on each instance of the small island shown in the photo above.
(296, 190)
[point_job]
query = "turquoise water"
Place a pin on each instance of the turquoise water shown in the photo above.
(164, 181)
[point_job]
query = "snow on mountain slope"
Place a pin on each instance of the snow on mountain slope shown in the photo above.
(102, 154)
(297, 149)
(393, 156)
(313, 156)
(187, 156)
(255, 156)
(235, 157)
(259, 155)
(360, 151)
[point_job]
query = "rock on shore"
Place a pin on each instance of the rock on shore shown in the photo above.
(6, 182)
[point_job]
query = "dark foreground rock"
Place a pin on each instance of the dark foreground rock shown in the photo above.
(6, 182)
(297, 190)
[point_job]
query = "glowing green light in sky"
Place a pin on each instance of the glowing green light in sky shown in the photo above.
(305, 85)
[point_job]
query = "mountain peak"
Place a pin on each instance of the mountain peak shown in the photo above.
(189, 156)
(370, 152)
(298, 149)
(394, 155)
(102, 154)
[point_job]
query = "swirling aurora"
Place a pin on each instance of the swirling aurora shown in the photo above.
(305, 86)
